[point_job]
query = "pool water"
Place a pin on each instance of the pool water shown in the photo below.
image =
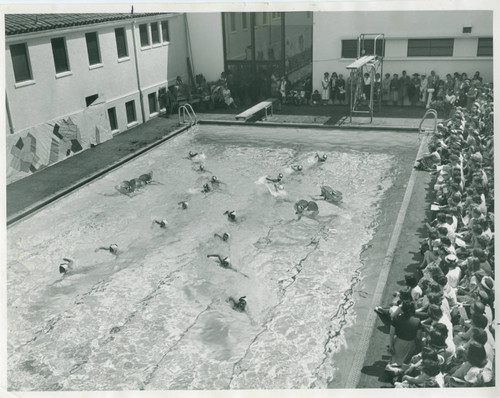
(156, 317)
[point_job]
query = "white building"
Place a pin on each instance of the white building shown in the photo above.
(73, 80)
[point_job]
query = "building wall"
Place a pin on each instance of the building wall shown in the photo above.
(205, 32)
(50, 118)
(330, 28)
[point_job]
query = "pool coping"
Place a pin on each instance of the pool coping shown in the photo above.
(37, 206)
(369, 326)
(310, 125)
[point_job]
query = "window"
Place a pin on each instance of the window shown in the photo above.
(93, 48)
(164, 31)
(91, 99)
(153, 107)
(20, 62)
(430, 47)
(60, 56)
(484, 47)
(113, 123)
(121, 43)
(130, 108)
(233, 21)
(155, 33)
(350, 48)
(143, 31)
(244, 23)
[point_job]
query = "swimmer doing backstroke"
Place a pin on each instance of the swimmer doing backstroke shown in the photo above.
(225, 236)
(113, 248)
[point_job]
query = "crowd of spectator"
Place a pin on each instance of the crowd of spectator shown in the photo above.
(442, 321)
(402, 89)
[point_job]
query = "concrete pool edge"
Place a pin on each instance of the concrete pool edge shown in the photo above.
(20, 215)
(354, 374)
(311, 125)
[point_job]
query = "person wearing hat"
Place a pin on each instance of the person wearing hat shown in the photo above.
(66, 266)
(225, 262)
(183, 204)
(162, 223)
(113, 248)
(224, 237)
(231, 215)
(239, 305)
(277, 179)
(414, 89)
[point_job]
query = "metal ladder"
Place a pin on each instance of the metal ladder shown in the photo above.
(432, 112)
(187, 110)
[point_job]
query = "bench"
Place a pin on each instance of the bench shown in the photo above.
(264, 105)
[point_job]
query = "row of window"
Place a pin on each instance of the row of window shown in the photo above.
(244, 19)
(131, 113)
(21, 61)
(418, 47)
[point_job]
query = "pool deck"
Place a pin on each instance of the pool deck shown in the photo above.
(33, 192)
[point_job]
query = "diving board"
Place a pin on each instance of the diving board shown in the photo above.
(264, 105)
(361, 61)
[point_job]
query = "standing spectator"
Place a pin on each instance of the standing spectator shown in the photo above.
(394, 86)
(367, 81)
(377, 87)
(348, 87)
(386, 89)
(423, 88)
(404, 82)
(432, 85)
(405, 329)
(472, 94)
(414, 89)
(450, 83)
(325, 85)
(333, 87)
(274, 84)
(477, 77)
(341, 89)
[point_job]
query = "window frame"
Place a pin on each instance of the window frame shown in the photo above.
(156, 106)
(28, 64)
(68, 65)
(412, 50)
(159, 42)
(125, 43)
(232, 21)
(355, 48)
(148, 45)
(113, 111)
(130, 123)
(165, 23)
(244, 21)
(488, 47)
(97, 48)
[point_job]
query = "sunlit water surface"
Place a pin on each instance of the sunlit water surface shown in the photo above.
(156, 316)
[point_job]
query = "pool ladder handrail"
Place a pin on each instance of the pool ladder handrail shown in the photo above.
(432, 112)
(188, 110)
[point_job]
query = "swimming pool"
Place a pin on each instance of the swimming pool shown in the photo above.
(156, 317)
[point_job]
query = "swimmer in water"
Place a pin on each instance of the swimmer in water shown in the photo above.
(206, 188)
(321, 158)
(145, 179)
(225, 263)
(225, 236)
(126, 187)
(216, 183)
(113, 248)
(66, 266)
(239, 305)
(231, 215)
(278, 179)
(330, 195)
(162, 223)
(303, 207)
(296, 167)
(191, 154)
(201, 168)
(183, 204)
